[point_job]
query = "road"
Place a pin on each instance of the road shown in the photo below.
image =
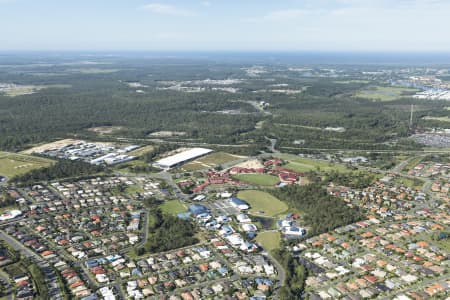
(399, 167)
(19, 247)
(9, 292)
(278, 266)
(273, 143)
(55, 290)
(369, 150)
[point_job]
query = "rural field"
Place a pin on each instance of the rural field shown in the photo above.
(300, 164)
(384, 93)
(12, 164)
(262, 203)
(270, 240)
(257, 179)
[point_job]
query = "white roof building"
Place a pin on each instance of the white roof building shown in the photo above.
(9, 215)
(182, 157)
(243, 218)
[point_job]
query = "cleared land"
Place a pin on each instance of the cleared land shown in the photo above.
(257, 179)
(269, 240)
(352, 81)
(301, 164)
(384, 93)
(49, 146)
(210, 161)
(262, 203)
(141, 151)
(30, 89)
(12, 164)
(440, 119)
(173, 207)
(105, 129)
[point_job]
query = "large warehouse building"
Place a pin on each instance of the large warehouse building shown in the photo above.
(180, 158)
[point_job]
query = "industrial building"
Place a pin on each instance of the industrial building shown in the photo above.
(197, 209)
(181, 158)
(239, 203)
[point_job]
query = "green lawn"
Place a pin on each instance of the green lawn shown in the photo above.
(258, 179)
(384, 93)
(301, 164)
(218, 158)
(193, 166)
(133, 189)
(299, 167)
(269, 240)
(12, 164)
(173, 207)
(262, 201)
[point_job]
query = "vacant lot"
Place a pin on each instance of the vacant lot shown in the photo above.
(411, 183)
(262, 203)
(257, 179)
(385, 93)
(12, 164)
(53, 145)
(210, 161)
(173, 207)
(301, 164)
(141, 151)
(30, 89)
(269, 240)
(102, 130)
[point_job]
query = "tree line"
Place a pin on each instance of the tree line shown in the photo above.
(321, 211)
(61, 169)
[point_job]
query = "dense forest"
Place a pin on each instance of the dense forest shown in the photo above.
(321, 211)
(6, 199)
(61, 169)
(167, 232)
(81, 96)
(356, 180)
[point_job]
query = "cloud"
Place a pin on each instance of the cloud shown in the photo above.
(206, 3)
(283, 15)
(287, 14)
(170, 10)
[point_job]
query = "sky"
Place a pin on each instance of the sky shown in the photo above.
(226, 25)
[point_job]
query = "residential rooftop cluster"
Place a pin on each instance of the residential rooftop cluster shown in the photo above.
(431, 169)
(372, 258)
